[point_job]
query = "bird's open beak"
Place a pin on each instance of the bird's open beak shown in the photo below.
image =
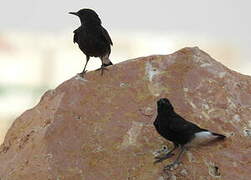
(74, 13)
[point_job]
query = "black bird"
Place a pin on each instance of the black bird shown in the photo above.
(182, 133)
(92, 38)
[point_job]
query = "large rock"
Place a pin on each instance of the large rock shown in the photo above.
(101, 127)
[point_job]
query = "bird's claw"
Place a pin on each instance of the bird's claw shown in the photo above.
(102, 68)
(162, 158)
(82, 73)
(171, 166)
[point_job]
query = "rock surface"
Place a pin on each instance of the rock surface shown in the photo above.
(101, 127)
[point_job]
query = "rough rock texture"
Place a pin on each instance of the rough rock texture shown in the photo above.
(101, 127)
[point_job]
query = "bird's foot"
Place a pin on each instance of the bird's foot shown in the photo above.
(162, 157)
(82, 74)
(102, 68)
(171, 166)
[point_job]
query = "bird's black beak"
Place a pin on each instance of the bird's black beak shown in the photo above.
(74, 13)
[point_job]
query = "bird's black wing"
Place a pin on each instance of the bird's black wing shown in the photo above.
(76, 32)
(106, 36)
(180, 125)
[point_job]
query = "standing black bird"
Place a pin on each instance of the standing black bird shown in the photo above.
(181, 132)
(92, 38)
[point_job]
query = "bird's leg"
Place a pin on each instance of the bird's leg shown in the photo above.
(177, 160)
(102, 68)
(84, 71)
(165, 156)
(105, 62)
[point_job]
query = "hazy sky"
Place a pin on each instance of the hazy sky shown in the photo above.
(223, 21)
(223, 18)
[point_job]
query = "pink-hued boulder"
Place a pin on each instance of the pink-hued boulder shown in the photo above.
(101, 127)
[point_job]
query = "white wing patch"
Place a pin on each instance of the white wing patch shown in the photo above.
(202, 137)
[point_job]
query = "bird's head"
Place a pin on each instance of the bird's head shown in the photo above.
(87, 16)
(164, 105)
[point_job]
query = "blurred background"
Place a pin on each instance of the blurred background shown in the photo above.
(37, 52)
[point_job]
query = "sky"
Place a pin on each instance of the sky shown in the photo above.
(223, 18)
(224, 22)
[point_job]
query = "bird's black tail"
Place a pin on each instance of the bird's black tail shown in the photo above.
(106, 61)
(219, 136)
(109, 64)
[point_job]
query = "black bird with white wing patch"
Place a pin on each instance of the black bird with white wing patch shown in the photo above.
(92, 38)
(182, 133)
